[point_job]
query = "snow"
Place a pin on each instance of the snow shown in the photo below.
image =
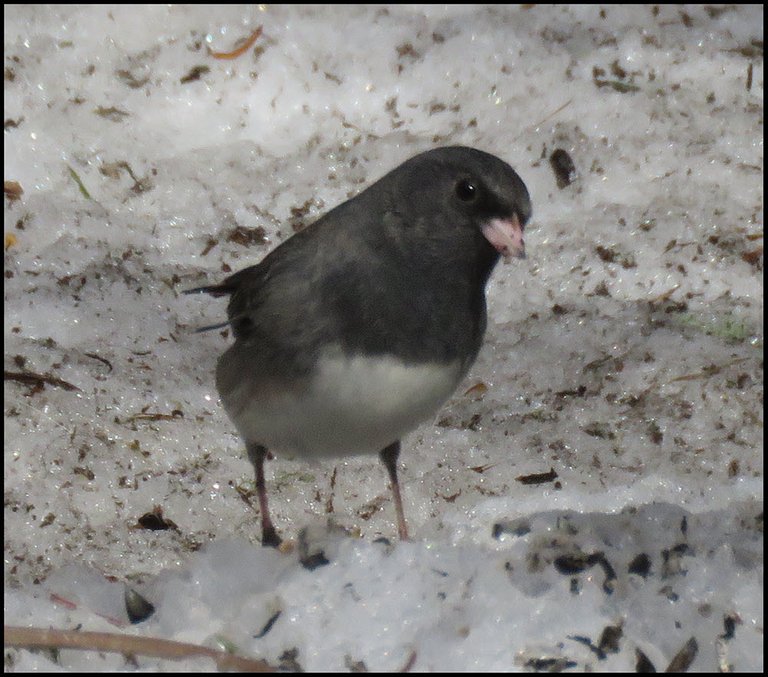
(625, 353)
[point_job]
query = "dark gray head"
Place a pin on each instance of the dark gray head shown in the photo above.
(469, 180)
(455, 203)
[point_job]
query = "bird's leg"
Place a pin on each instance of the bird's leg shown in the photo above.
(388, 457)
(257, 453)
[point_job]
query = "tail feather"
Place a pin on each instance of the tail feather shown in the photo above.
(214, 290)
(211, 327)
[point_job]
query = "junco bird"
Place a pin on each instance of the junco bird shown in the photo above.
(358, 328)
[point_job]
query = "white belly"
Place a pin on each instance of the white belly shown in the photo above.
(351, 406)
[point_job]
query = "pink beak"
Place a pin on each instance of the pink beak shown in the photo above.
(506, 235)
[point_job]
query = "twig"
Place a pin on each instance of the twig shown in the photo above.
(33, 379)
(39, 638)
(708, 371)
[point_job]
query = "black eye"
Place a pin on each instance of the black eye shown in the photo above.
(466, 190)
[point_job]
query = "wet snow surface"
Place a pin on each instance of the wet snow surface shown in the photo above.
(624, 355)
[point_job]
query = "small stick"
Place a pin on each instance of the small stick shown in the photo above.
(39, 638)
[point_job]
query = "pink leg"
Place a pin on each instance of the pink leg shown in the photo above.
(388, 457)
(257, 453)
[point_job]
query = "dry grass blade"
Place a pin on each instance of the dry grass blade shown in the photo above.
(242, 49)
